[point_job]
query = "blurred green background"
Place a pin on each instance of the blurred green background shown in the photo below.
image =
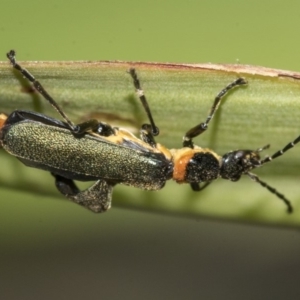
(54, 249)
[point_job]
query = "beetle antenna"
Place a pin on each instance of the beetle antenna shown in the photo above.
(141, 95)
(11, 55)
(262, 148)
(280, 152)
(272, 190)
(200, 128)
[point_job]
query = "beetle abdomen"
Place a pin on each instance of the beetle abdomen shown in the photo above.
(86, 158)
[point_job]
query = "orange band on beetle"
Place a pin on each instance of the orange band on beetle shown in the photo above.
(180, 165)
(3, 118)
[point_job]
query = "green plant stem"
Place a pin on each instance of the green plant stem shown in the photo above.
(266, 111)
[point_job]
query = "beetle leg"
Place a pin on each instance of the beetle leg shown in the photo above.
(197, 187)
(96, 198)
(11, 55)
(93, 125)
(147, 137)
(105, 129)
(148, 131)
(79, 129)
(200, 128)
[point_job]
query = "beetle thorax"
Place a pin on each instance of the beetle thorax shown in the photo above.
(195, 165)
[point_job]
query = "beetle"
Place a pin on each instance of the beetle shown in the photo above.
(96, 151)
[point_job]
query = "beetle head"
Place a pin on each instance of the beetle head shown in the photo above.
(236, 163)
